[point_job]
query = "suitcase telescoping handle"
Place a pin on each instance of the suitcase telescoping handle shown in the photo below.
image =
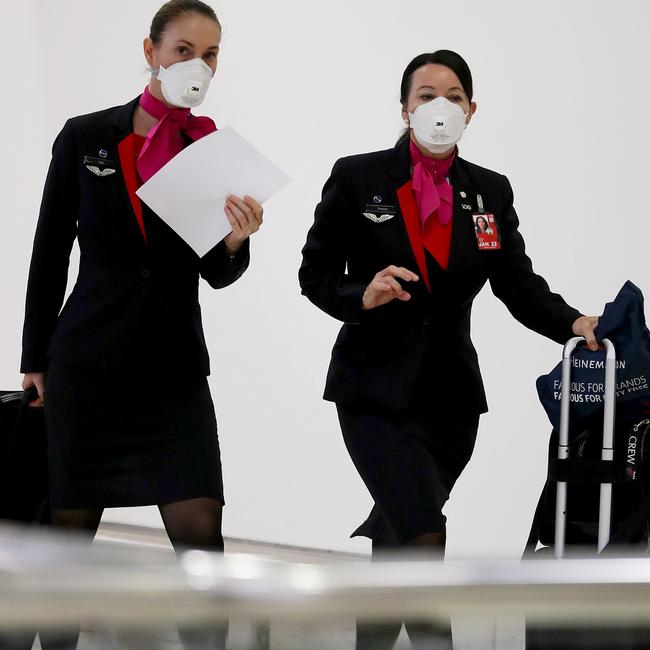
(605, 514)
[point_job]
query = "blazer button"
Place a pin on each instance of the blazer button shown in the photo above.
(146, 273)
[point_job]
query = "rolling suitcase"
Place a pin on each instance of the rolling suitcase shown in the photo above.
(596, 524)
(607, 449)
(597, 494)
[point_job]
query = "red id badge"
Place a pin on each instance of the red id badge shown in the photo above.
(487, 235)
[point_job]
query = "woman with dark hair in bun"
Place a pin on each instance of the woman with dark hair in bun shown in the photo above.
(122, 368)
(394, 253)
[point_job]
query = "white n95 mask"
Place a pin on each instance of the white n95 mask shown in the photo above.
(438, 124)
(185, 84)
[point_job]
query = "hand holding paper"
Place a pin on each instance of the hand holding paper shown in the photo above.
(245, 216)
(190, 191)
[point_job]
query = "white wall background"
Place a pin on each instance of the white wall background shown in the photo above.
(562, 91)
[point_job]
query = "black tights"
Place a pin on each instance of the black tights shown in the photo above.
(423, 636)
(194, 523)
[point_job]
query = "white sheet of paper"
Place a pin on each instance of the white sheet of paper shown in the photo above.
(189, 192)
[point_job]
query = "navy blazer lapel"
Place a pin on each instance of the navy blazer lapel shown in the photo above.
(123, 119)
(399, 171)
(122, 128)
(462, 236)
(399, 165)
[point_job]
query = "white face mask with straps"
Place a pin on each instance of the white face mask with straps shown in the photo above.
(438, 125)
(185, 84)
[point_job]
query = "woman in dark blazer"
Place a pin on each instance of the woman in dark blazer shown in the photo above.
(122, 367)
(393, 253)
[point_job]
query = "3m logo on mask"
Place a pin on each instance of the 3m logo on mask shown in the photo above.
(185, 83)
(439, 130)
(438, 125)
(193, 90)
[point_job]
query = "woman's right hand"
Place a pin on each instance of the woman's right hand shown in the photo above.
(35, 379)
(385, 287)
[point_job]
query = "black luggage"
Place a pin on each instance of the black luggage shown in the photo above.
(23, 459)
(598, 488)
(596, 497)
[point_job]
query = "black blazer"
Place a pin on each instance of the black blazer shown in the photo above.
(134, 303)
(379, 354)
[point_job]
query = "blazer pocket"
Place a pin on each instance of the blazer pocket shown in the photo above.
(374, 365)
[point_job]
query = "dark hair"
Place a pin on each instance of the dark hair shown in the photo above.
(172, 10)
(485, 221)
(449, 59)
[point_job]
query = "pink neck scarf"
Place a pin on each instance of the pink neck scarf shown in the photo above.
(164, 139)
(432, 191)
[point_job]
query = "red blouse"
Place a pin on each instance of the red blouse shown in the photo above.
(434, 237)
(129, 150)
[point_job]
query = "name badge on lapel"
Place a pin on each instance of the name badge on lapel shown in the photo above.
(378, 211)
(99, 166)
(487, 234)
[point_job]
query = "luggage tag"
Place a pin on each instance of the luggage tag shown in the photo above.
(99, 166)
(485, 228)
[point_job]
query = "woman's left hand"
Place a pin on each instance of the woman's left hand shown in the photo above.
(585, 326)
(245, 216)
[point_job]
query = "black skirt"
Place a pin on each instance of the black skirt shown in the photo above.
(127, 439)
(409, 462)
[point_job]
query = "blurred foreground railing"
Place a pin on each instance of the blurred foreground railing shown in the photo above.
(51, 580)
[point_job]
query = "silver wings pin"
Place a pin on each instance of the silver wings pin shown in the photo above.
(100, 172)
(377, 218)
